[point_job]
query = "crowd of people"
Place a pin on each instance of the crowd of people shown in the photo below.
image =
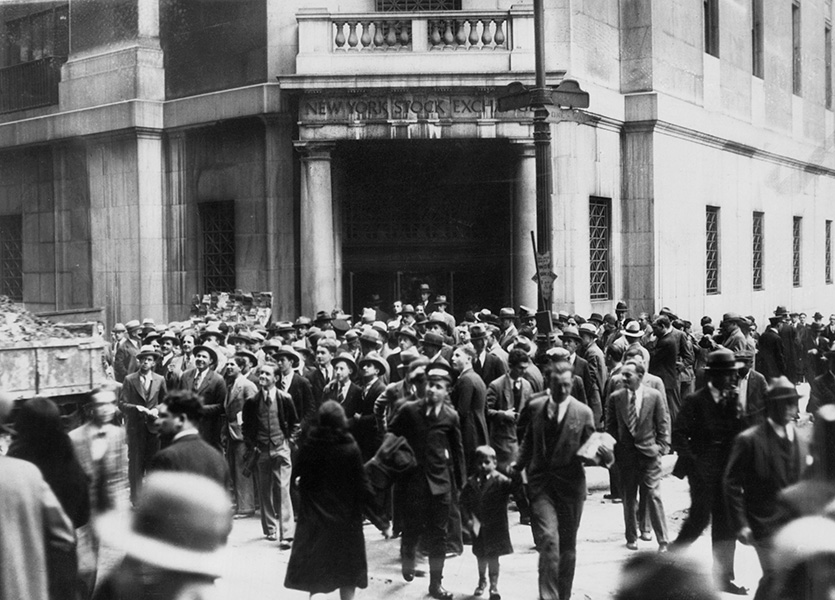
(431, 429)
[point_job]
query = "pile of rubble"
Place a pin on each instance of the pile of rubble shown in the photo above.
(18, 325)
(253, 309)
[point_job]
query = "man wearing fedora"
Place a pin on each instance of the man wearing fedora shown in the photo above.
(764, 460)
(407, 338)
(269, 425)
(341, 389)
(431, 426)
(172, 543)
(239, 391)
(670, 353)
(591, 352)
(507, 325)
(571, 341)
(486, 365)
(139, 397)
(425, 292)
(170, 366)
(124, 362)
(770, 359)
(441, 306)
(363, 422)
(703, 435)
(469, 397)
(733, 339)
(295, 385)
(207, 383)
(322, 374)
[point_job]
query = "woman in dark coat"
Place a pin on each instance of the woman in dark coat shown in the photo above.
(41, 439)
(329, 547)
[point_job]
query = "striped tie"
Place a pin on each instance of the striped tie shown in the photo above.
(632, 414)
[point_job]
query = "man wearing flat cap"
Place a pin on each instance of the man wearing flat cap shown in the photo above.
(139, 397)
(764, 460)
(431, 427)
(703, 435)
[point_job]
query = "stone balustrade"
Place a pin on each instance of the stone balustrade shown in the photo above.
(426, 42)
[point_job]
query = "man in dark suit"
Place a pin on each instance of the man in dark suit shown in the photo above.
(186, 451)
(637, 417)
(703, 434)
(486, 364)
(670, 352)
(294, 384)
(269, 426)
(141, 393)
(341, 389)
(406, 338)
(764, 460)
(751, 389)
(559, 426)
(469, 397)
(571, 341)
(125, 360)
(207, 383)
(322, 374)
(770, 360)
(431, 427)
(240, 390)
(823, 387)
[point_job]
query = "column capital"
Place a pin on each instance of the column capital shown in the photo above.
(314, 150)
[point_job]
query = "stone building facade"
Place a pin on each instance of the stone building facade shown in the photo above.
(153, 150)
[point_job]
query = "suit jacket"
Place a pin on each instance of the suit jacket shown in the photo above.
(754, 403)
(760, 466)
(352, 401)
(469, 397)
(192, 454)
(124, 363)
(302, 395)
(667, 354)
(652, 430)
(287, 419)
(436, 442)
(317, 385)
(492, 369)
(172, 375)
(594, 356)
(213, 390)
(561, 470)
(109, 488)
(508, 335)
(770, 359)
(239, 393)
(503, 429)
(822, 392)
(132, 394)
(587, 373)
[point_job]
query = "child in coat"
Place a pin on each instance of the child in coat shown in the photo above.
(484, 503)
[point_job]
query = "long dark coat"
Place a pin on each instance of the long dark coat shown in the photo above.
(486, 500)
(329, 547)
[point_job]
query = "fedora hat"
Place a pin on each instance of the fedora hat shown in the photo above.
(722, 360)
(303, 321)
(132, 324)
(424, 287)
(596, 318)
(571, 332)
(377, 360)
(478, 332)
(345, 357)
(369, 334)
(170, 335)
(781, 388)
(212, 329)
(181, 523)
(409, 333)
(407, 309)
(781, 311)
(150, 337)
(290, 353)
(621, 307)
(284, 326)
(351, 336)
(507, 313)
(249, 355)
(240, 336)
(440, 299)
(435, 319)
(148, 350)
(817, 316)
(526, 313)
(589, 329)
(733, 317)
(212, 352)
(119, 327)
(775, 319)
(322, 316)
(633, 330)
(407, 356)
(433, 339)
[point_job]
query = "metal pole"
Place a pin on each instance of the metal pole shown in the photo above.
(540, 99)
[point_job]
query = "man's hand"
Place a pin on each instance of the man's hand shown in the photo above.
(745, 536)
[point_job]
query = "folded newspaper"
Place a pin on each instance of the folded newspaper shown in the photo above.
(599, 449)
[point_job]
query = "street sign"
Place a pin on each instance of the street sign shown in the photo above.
(569, 94)
(544, 276)
(517, 95)
(513, 97)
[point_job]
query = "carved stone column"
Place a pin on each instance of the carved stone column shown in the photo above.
(524, 221)
(317, 240)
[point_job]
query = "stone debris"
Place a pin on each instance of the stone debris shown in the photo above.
(17, 325)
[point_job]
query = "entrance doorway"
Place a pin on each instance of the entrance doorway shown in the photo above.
(428, 211)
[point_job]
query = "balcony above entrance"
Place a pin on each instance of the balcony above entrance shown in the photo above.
(443, 42)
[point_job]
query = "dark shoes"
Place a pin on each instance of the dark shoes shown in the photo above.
(408, 571)
(437, 591)
(495, 595)
(632, 545)
(663, 547)
(243, 515)
(731, 588)
(646, 536)
(285, 544)
(479, 589)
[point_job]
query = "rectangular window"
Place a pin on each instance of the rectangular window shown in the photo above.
(757, 257)
(796, 63)
(757, 67)
(827, 64)
(712, 250)
(600, 218)
(711, 22)
(38, 35)
(797, 224)
(828, 251)
(218, 222)
(11, 257)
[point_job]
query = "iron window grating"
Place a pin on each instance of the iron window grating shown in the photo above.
(11, 257)
(828, 252)
(757, 252)
(218, 223)
(600, 217)
(712, 250)
(797, 223)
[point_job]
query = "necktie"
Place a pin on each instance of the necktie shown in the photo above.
(146, 382)
(632, 414)
(340, 397)
(517, 395)
(197, 379)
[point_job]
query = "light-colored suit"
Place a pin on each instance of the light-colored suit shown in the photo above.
(143, 441)
(240, 392)
(109, 487)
